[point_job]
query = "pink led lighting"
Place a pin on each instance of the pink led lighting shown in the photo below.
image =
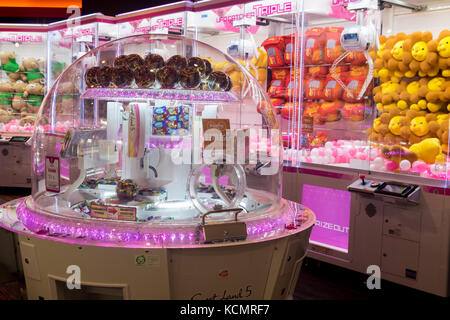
(99, 232)
(165, 94)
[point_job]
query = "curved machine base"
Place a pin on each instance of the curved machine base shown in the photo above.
(260, 270)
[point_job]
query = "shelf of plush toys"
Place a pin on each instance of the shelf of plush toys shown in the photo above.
(324, 100)
(22, 90)
(413, 103)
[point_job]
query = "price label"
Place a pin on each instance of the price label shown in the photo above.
(52, 174)
(307, 124)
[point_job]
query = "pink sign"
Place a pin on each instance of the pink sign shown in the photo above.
(338, 10)
(332, 210)
(15, 37)
(225, 16)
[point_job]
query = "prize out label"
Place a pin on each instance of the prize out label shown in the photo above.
(52, 174)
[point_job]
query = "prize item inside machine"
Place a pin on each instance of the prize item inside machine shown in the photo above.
(156, 139)
(22, 80)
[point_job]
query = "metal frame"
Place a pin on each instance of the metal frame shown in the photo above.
(403, 4)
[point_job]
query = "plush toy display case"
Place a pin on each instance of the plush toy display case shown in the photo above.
(252, 32)
(159, 174)
(69, 39)
(23, 54)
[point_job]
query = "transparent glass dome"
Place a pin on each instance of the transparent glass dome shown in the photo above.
(142, 132)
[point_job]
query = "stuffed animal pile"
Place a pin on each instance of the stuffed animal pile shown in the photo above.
(413, 97)
(22, 90)
(325, 100)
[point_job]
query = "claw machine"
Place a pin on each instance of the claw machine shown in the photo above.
(255, 33)
(369, 144)
(23, 79)
(164, 198)
(69, 39)
(166, 19)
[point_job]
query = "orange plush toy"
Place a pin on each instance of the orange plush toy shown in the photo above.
(314, 88)
(444, 52)
(315, 42)
(329, 111)
(333, 47)
(332, 90)
(420, 54)
(353, 111)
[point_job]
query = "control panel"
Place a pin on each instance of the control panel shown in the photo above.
(389, 191)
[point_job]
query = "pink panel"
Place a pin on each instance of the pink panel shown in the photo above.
(332, 210)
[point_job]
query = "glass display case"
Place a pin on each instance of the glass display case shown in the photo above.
(153, 143)
(23, 52)
(166, 19)
(398, 126)
(69, 39)
(256, 33)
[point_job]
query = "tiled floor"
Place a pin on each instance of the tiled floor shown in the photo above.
(317, 281)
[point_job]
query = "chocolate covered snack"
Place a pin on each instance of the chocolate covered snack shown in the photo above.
(90, 77)
(219, 81)
(154, 61)
(177, 61)
(104, 76)
(134, 61)
(167, 76)
(122, 77)
(199, 64)
(190, 77)
(144, 76)
(208, 67)
(120, 61)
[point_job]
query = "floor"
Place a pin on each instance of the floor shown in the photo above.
(317, 280)
(323, 281)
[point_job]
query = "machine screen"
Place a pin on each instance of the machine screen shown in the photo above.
(395, 189)
(19, 139)
(351, 36)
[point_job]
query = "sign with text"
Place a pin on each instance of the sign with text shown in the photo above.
(52, 174)
(113, 212)
(209, 125)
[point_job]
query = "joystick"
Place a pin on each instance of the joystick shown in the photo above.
(362, 177)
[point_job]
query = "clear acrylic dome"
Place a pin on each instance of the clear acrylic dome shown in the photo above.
(143, 132)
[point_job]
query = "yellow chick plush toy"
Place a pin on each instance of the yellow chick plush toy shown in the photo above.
(420, 54)
(386, 93)
(419, 126)
(395, 125)
(444, 52)
(439, 93)
(428, 150)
